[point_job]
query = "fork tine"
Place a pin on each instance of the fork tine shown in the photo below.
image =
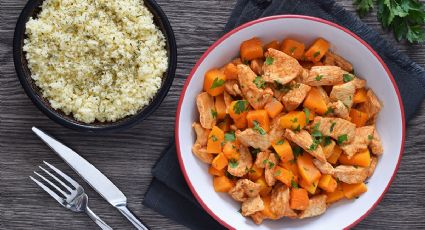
(52, 184)
(49, 191)
(57, 179)
(66, 177)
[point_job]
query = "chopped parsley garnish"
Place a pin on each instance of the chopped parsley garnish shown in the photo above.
(327, 141)
(254, 152)
(259, 82)
(342, 138)
(298, 128)
(228, 175)
(280, 142)
(319, 77)
(313, 146)
(283, 88)
(269, 60)
(298, 151)
(258, 128)
(317, 137)
(217, 83)
(307, 115)
(214, 138)
(265, 161)
(315, 55)
(347, 77)
(332, 127)
(370, 137)
(213, 113)
(294, 184)
(271, 164)
(230, 136)
(233, 163)
(293, 120)
(330, 110)
(292, 50)
(240, 106)
(277, 173)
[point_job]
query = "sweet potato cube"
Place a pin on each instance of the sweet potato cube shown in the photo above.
(215, 138)
(214, 82)
(251, 49)
(358, 117)
(220, 107)
(310, 187)
(238, 109)
(353, 190)
(231, 71)
(273, 45)
(359, 159)
(215, 172)
(315, 102)
(335, 155)
(335, 196)
(267, 212)
(283, 150)
(255, 173)
(264, 188)
(307, 170)
(293, 48)
(259, 117)
(360, 96)
(273, 108)
(231, 150)
(293, 120)
(222, 184)
(328, 149)
(317, 50)
(299, 199)
(292, 166)
(283, 175)
(219, 162)
(327, 183)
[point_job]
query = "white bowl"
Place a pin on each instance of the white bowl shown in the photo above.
(367, 64)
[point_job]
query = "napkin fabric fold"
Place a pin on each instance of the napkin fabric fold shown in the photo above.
(169, 193)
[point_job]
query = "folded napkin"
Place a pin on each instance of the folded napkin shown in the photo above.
(169, 193)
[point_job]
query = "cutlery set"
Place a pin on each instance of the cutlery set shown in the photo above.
(70, 194)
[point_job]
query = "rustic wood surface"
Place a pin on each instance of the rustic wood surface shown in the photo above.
(127, 157)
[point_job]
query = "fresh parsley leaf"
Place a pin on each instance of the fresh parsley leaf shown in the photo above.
(294, 184)
(327, 141)
(292, 50)
(307, 115)
(259, 82)
(240, 106)
(316, 54)
(342, 138)
(298, 128)
(293, 120)
(228, 175)
(254, 151)
(258, 128)
(370, 137)
(347, 77)
(278, 172)
(265, 161)
(271, 164)
(283, 88)
(213, 113)
(214, 138)
(233, 163)
(319, 77)
(330, 110)
(217, 83)
(280, 142)
(269, 61)
(331, 129)
(230, 136)
(298, 151)
(363, 6)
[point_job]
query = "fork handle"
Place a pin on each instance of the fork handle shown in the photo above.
(132, 218)
(97, 219)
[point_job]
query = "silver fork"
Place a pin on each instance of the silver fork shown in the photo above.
(75, 199)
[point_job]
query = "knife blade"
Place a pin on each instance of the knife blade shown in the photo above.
(96, 179)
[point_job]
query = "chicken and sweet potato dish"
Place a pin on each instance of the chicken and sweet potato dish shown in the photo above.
(287, 131)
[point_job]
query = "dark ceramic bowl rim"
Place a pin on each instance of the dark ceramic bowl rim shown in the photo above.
(160, 19)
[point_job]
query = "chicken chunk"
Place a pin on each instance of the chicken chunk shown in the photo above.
(340, 110)
(244, 189)
(372, 106)
(257, 97)
(375, 144)
(279, 201)
(276, 131)
(316, 207)
(202, 154)
(305, 141)
(257, 66)
(324, 167)
(201, 134)
(331, 58)
(323, 94)
(232, 87)
(361, 141)
(324, 75)
(351, 174)
(252, 205)
(258, 217)
(205, 104)
(372, 166)
(282, 69)
(295, 97)
(359, 83)
(344, 93)
(261, 160)
(244, 163)
(269, 168)
(335, 127)
(227, 100)
(252, 138)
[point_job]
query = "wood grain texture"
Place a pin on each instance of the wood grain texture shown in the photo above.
(127, 157)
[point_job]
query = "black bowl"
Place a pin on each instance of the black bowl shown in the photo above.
(32, 8)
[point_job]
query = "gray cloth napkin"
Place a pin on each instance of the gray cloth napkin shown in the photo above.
(169, 194)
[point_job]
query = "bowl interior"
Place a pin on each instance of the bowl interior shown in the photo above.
(367, 66)
(24, 74)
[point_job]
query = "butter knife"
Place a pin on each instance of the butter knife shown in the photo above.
(92, 176)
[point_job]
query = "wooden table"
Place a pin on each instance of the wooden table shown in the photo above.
(127, 157)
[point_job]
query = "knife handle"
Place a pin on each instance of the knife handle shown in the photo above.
(132, 218)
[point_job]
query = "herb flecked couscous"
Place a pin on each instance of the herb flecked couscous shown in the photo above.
(96, 59)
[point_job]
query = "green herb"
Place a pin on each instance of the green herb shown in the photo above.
(254, 152)
(332, 126)
(280, 142)
(230, 136)
(319, 77)
(313, 146)
(217, 83)
(213, 113)
(404, 17)
(233, 163)
(294, 184)
(327, 141)
(307, 115)
(298, 151)
(259, 82)
(317, 137)
(214, 138)
(298, 128)
(283, 88)
(330, 110)
(228, 175)
(269, 60)
(240, 106)
(295, 119)
(277, 173)
(271, 164)
(265, 161)
(347, 77)
(342, 138)
(370, 137)
(292, 50)
(315, 55)
(258, 128)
